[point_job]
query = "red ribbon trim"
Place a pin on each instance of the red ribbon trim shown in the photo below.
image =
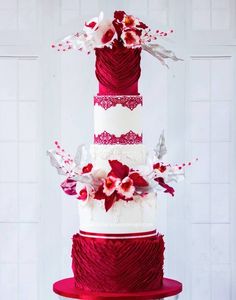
(118, 235)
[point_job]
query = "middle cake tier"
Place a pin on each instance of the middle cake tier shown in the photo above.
(118, 130)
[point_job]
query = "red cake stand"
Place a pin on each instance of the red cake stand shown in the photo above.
(67, 289)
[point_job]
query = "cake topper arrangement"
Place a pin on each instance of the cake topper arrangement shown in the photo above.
(123, 31)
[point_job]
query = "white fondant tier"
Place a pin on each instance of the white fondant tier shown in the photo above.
(138, 215)
(117, 120)
(131, 155)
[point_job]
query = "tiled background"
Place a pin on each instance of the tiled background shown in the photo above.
(46, 96)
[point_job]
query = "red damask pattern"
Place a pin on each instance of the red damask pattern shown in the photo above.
(129, 138)
(130, 102)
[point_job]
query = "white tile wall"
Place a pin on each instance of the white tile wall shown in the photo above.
(221, 89)
(209, 15)
(28, 79)
(220, 203)
(28, 121)
(28, 162)
(201, 281)
(28, 243)
(200, 203)
(201, 245)
(19, 200)
(200, 121)
(8, 202)
(9, 281)
(8, 121)
(8, 162)
(221, 113)
(220, 278)
(9, 243)
(210, 139)
(8, 78)
(200, 79)
(29, 202)
(28, 289)
(220, 153)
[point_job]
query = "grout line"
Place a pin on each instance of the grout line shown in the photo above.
(18, 177)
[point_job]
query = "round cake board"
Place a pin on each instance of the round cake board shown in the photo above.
(67, 289)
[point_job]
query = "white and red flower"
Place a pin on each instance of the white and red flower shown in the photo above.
(110, 184)
(121, 183)
(126, 188)
(92, 25)
(83, 194)
(131, 37)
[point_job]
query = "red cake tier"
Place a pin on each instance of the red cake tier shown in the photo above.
(106, 264)
(118, 70)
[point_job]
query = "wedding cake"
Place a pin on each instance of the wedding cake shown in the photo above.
(118, 248)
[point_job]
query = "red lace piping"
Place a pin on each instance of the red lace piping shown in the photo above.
(130, 102)
(129, 138)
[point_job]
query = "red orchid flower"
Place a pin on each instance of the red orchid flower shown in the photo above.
(120, 183)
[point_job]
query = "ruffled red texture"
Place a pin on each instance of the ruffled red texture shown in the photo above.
(118, 70)
(118, 265)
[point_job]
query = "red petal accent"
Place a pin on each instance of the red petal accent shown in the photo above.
(87, 169)
(142, 25)
(119, 15)
(83, 194)
(118, 169)
(107, 37)
(138, 180)
(118, 27)
(99, 194)
(90, 25)
(168, 189)
(109, 201)
(69, 186)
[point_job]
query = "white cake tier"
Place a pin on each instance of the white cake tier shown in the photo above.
(138, 215)
(131, 155)
(117, 120)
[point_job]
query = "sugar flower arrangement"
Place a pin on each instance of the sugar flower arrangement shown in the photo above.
(123, 31)
(120, 183)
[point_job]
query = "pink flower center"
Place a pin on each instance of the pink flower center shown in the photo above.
(126, 185)
(109, 183)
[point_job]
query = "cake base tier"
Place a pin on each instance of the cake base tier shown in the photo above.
(118, 265)
(66, 288)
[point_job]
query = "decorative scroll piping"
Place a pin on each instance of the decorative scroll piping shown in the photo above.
(129, 138)
(130, 102)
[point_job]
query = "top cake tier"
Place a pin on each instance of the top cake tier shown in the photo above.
(118, 70)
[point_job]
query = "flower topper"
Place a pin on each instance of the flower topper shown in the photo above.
(124, 30)
(120, 183)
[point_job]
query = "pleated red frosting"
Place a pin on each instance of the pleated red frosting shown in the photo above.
(122, 265)
(118, 70)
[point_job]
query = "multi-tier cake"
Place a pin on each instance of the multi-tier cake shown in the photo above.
(118, 248)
